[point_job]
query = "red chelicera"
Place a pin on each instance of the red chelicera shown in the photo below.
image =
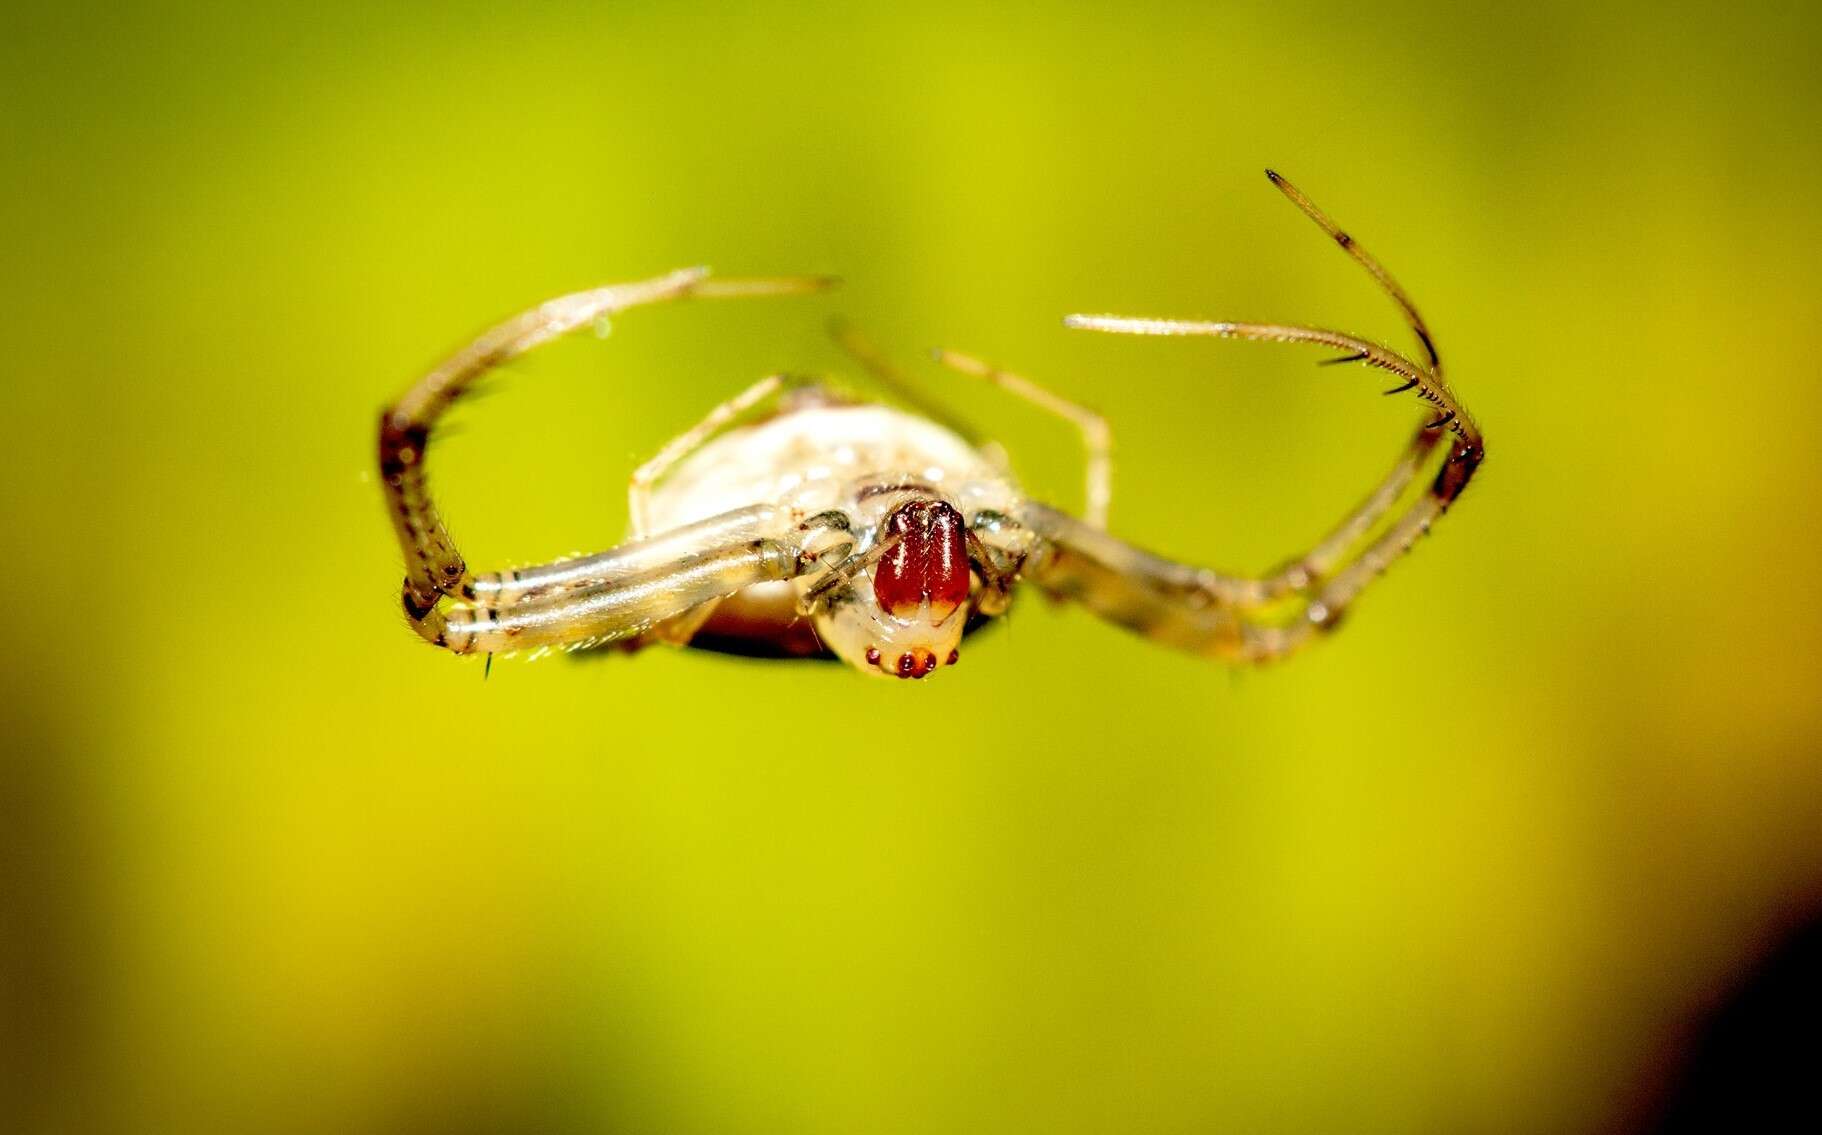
(930, 561)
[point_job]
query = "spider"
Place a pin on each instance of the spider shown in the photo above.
(838, 527)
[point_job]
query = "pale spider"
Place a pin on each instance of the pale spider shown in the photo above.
(882, 537)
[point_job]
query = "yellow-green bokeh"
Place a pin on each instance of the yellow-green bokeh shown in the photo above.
(1474, 864)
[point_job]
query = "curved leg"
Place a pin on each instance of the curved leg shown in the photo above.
(1097, 436)
(1426, 378)
(433, 566)
(1195, 609)
(1301, 572)
(1200, 610)
(1366, 260)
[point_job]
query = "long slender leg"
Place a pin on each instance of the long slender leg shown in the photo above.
(653, 587)
(1097, 437)
(615, 609)
(1171, 603)
(1200, 610)
(1426, 385)
(433, 566)
(1366, 260)
(639, 489)
(1466, 451)
(680, 629)
(1300, 572)
(863, 351)
(1426, 378)
(504, 588)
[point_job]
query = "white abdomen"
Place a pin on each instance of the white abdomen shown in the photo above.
(811, 457)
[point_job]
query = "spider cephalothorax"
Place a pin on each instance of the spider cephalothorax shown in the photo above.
(881, 536)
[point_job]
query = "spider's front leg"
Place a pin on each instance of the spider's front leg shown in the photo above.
(1203, 611)
(1237, 617)
(637, 587)
(613, 609)
(433, 566)
(1233, 616)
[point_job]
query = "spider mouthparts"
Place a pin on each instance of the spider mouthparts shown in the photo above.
(929, 565)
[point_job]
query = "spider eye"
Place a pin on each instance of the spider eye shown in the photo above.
(929, 562)
(916, 663)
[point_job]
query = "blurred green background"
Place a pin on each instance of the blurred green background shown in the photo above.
(1479, 863)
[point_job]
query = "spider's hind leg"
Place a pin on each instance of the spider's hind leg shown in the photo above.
(639, 487)
(901, 386)
(1097, 436)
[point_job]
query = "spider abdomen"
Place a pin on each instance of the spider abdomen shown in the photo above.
(817, 452)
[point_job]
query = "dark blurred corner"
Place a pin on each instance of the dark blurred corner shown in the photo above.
(48, 862)
(1754, 1061)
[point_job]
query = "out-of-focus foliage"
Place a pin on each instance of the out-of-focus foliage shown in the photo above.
(1474, 864)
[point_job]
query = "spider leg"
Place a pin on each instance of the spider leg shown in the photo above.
(1097, 436)
(433, 566)
(872, 360)
(1301, 572)
(639, 488)
(1421, 381)
(1203, 611)
(619, 607)
(1228, 616)
(1208, 612)
(570, 598)
(1171, 603)
(504, 588)
(1366, 260)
